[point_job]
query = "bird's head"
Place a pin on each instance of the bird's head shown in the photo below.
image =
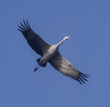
(66, 37)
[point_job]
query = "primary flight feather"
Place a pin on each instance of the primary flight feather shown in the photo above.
(49, 53)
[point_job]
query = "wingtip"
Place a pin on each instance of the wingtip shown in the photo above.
(24, 27)
(82, 78)
(20, 30)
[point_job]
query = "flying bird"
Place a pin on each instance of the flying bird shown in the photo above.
(49, 53)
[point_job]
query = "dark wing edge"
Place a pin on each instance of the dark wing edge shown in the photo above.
(66, 68)
(82, 78)
(34, 40)
(24, 28)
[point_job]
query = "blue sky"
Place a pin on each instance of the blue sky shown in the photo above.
(88, 50)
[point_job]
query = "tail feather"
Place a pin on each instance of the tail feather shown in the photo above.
(38, 60)
(40, 63)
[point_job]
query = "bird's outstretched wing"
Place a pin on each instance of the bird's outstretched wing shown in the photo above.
(33, 39)
(66, 68)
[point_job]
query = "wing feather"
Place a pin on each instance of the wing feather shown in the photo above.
(33, 39)
(66, 68)
(26, 24)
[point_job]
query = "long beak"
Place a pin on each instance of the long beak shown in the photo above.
(70, 36)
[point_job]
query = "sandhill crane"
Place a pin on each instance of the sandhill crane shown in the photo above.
(49, 53)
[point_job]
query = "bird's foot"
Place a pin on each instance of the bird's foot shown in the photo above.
(36, 68)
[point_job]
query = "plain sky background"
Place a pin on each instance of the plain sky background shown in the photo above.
(88, 21)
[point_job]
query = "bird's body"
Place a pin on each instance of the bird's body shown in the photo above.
(49, 53)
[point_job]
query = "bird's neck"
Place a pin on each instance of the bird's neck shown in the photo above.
(61, 42)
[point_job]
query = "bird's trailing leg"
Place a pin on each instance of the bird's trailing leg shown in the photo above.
(36, 68)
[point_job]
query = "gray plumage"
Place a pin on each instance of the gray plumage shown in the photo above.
(49, 53)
